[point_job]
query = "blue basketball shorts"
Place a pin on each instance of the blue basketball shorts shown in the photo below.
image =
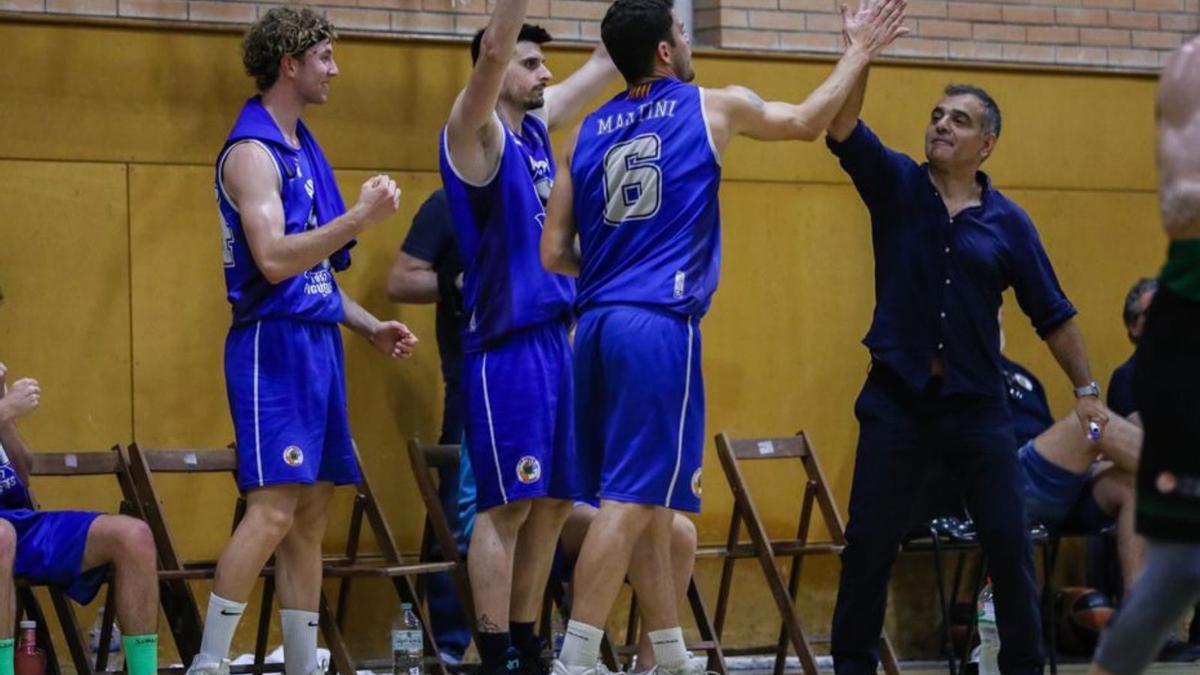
(639, 406)
(287, 393)
(519, 417)
(50, 548)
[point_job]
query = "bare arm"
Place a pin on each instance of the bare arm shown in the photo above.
(474, 136)
(251, 180)
(564, 101)
(389, 337)
(16, 449)
(412, 280)
(558, 235)
(1066, 343)
(847, 118)
(735, 111)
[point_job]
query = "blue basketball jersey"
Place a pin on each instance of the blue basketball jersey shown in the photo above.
(646, 173)
(499, 228)
(313, 295)
(13, 493)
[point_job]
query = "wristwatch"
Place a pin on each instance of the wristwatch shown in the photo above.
(1089, 389)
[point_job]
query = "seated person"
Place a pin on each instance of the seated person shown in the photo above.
(683, 558)
(1076, 483)
(73, 550)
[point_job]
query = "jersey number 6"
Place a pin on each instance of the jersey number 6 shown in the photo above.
(632, 180)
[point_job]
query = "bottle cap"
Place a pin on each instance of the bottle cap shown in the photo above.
(28, 624)
(406, 605)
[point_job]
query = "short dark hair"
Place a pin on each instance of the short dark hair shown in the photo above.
(1130, 312)
(631, 31)
(991, 111)
(529, 33)
(281, 31)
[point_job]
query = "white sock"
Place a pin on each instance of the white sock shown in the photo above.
(581, 645)
(299, 641)
(219, 626)
(669, 649)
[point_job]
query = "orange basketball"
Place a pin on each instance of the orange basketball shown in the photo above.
(1082, 613)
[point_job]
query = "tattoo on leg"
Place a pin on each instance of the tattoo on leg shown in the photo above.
(486, 625)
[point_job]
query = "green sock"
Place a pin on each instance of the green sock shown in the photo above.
(141, 654)
(6, 657)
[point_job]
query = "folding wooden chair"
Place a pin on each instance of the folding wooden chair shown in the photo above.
(386, 564)
(75, 464)
(765, 549)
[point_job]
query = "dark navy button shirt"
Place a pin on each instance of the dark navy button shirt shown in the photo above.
(938, 279)
(1120, 388)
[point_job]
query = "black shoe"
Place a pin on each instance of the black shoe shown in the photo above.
(1178, 651)
(510, 665)
(535, 664)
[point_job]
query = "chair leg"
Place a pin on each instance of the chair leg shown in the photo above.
(939, 581)
(339, 653)
(27, 601)
(1049, 559)
(716, 658)
(264, 622)
(106, 627)
(71, 632)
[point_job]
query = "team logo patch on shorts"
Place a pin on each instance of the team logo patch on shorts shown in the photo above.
(293, 455)
(696, 487)
(529, 470)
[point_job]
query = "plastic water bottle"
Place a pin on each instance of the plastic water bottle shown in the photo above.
(114, 644)
(407, 643)
(29, 659)
(989, 639)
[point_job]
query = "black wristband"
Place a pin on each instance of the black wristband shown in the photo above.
(448, 291)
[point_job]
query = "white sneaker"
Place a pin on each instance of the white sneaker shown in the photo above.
(688, 667)
(221, 668)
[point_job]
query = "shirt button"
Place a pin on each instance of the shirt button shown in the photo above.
(941, 346)
(943, 315)
(951, 220)
(947, 281)
(947, 249)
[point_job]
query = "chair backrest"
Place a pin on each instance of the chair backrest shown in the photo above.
(732, 450)
(427, 461)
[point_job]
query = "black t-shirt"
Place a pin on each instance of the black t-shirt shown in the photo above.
(432, 239)
(1027, 400)
(1120, 388)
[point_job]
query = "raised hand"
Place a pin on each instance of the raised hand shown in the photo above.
(874, 25)
(378, 199)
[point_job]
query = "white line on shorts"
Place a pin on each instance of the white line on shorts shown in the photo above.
(687, 389)
(487, 404)
(257, 442)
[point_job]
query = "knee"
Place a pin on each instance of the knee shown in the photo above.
(270, 522)
(683, 538)
(137, 542)
(8, 545)
(507, 519)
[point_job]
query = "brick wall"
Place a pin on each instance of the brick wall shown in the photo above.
(1109, 34)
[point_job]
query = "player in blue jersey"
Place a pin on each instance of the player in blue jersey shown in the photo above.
(497, 168)
(73, 550)
(286, 232)
(639, 185)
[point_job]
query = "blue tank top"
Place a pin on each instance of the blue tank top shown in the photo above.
(313, 295)
(13, 493)
(645, 173)
(499, 228)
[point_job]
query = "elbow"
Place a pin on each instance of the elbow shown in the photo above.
(803, 131)
(274, 273)
(396, 289)
(491, 50)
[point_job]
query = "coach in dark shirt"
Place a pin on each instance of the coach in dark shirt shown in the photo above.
(946, 245)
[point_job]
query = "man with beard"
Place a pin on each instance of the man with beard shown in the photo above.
(639, 184)
(497, 169)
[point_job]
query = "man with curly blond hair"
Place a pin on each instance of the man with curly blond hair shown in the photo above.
(285, 232)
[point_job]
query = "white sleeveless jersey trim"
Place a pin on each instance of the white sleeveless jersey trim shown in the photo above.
(221, 170)
(499, 160)
(712, 144)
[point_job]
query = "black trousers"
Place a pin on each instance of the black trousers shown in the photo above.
(901, 434)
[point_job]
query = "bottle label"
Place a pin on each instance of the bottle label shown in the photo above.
(407, 641)
(986, 613)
